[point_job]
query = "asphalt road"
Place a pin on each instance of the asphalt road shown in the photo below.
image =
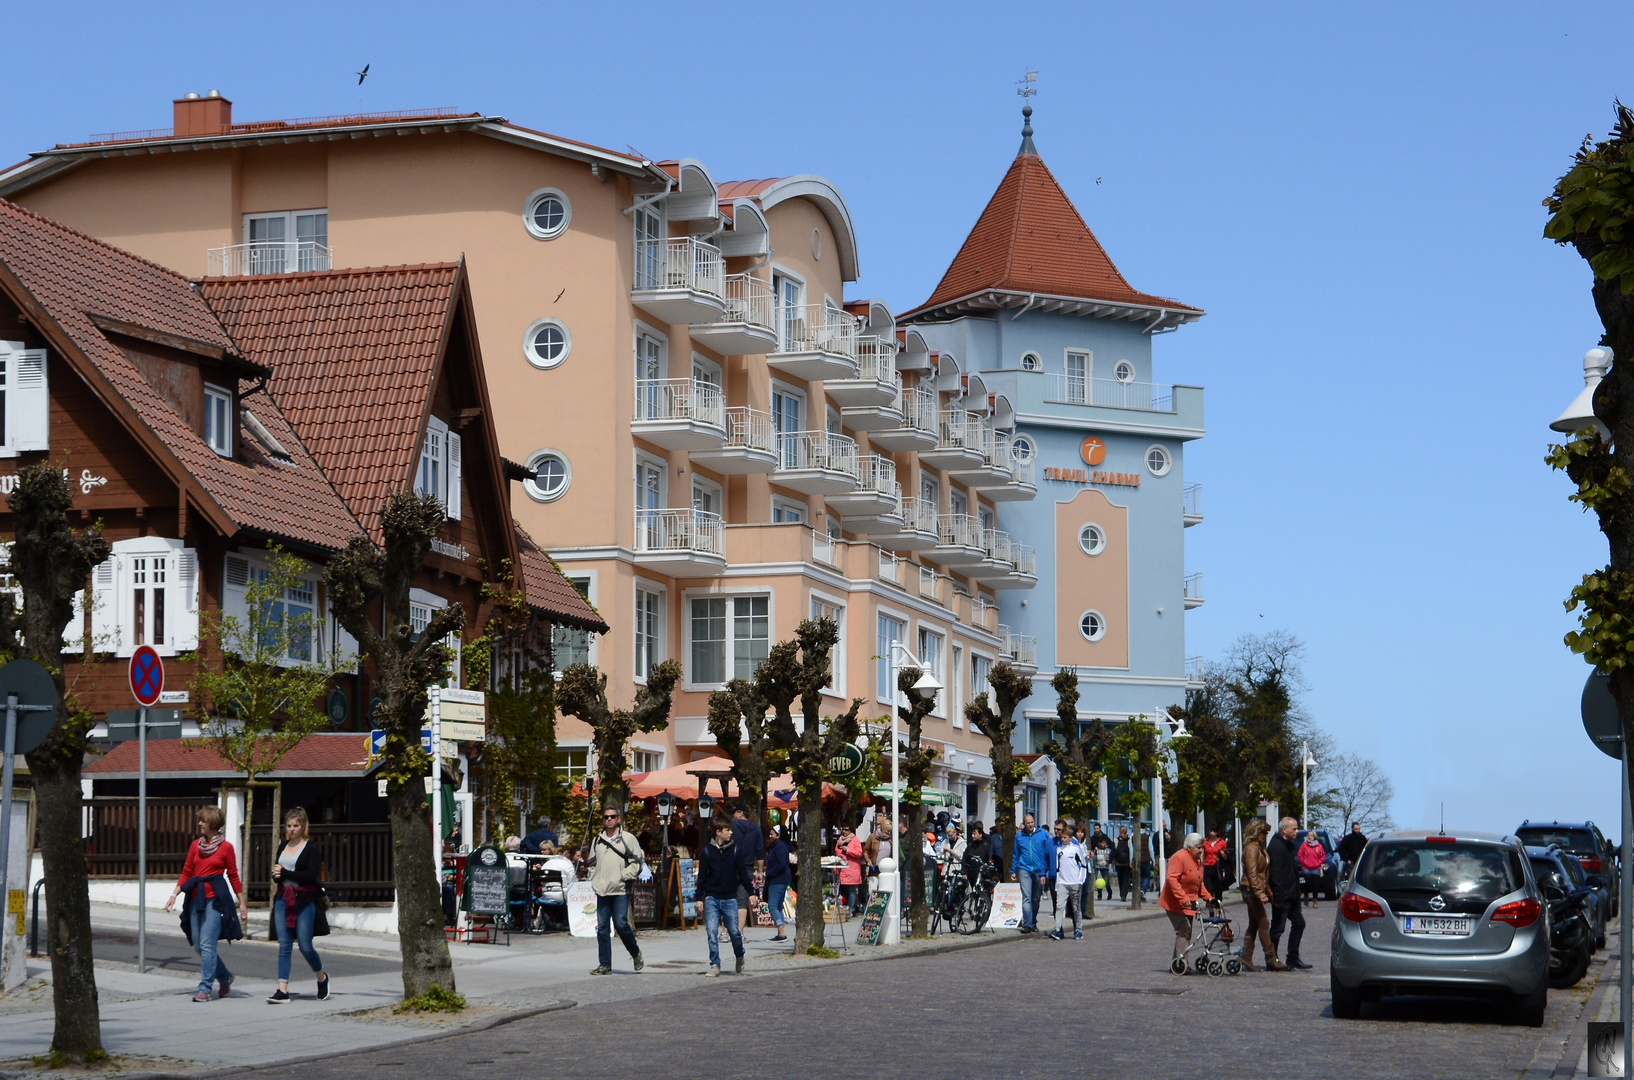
(245, 958)
(1102, 1007)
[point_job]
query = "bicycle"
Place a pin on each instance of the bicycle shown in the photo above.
(977, 904)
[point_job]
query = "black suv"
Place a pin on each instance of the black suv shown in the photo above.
(1583, 839)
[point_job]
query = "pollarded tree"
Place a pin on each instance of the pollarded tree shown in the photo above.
(50, 563)
(1077, 756)
(583, 693)
(406, 665)
(733, 712)
(915, 769)
(799, 670)
(1010, 689)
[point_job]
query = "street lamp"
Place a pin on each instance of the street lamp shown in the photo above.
(926, 681)
(1580, 413)
(1306, 764)
(666, 807)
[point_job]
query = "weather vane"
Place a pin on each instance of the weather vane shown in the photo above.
(1025, 87)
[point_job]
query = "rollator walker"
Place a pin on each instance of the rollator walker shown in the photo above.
(1213, 949)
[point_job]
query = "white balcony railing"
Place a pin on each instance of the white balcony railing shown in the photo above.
(1019, 649)
(981, 612)
(679, 262)
(1004, 457)
(1077, 390)
(269, 257)
(817, 450)
(919, 515)
(919, 408)
(876, 360)
(1191, 500)
(748, 300)
(1025, 558)
(1195, 666)
(958, 530)
(929, 585)
(890, 567)
(1192, 585)
(749, 429)
(681, 530)
(996, 545)
(878, 474)
(816, 328)
(979, 435)
(824, 548)
(679, 399)
(953, 430)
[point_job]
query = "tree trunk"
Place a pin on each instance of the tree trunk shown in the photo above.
(808, 906)
(913, 865)
(416, 873)
(68, 933)
(1004, 799)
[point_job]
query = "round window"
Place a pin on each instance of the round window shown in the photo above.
(1092, 538)
(1124, 371)
(1092, 624)
(546, 343)
(1157, 460)
(1031, 362)
(552, 475)
(547, 213)
(1022, 449)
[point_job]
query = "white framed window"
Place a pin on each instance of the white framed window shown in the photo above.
(649, 248)
(889, 631)
(649, 630)
(1092, 539)
(980, 668)
(1078, 366)
(957, 501)
(985, 518)
(706, 496)
(643, 760)
(728, 637)
(552, 475)
(786, 510)
(834, 425)
(439, 472)
(25, 400)
(651, 482)
(1031, 361)
(547, 214)
(823, 607)
(931, 645)
(788, 417)
(422, 605)
(789, 294)
(1092, 625)
(310, 627)
(218, 419)
(286, 242)
(572, 763)
(930, 490)
(145, 593)
(1023, 449)
(570, 644)
(547, 343)
(1158, 460)
(956, 667)
(1123, 371)
(706, 371)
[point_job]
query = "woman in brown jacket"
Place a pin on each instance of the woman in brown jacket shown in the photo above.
(1256, 886)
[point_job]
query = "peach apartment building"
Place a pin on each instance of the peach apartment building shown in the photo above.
(723, 443)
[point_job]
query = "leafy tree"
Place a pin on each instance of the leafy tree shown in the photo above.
(1077, 757)
(1209, 778)
(1591, 209)
(50, 563)
(914, 768)
(1263, 680)
(406, 664)
(583, 693)
(733, 710)
(1010, 689)
(256, 706)
(799, 670)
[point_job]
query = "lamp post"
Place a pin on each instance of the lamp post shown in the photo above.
(666, 807)
(1306, 764)
(892, 874)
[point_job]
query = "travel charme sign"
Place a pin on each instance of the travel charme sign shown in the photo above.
(1093, 452)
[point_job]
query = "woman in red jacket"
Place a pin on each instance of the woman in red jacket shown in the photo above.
(209, 856)
(1182, 888)
(849, 848)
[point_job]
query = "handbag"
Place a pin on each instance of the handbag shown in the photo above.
(789, 905)
(320, 918)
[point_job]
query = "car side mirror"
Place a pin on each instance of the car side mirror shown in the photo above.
(1554, 893)
(1597, 882)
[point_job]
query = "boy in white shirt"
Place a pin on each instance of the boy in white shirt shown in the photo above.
(1072, 870)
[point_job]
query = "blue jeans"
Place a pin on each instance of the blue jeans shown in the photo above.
(304, 918)
(614, 909)
(715, 913)
(1032, 885)
(774, 900)
(206, 931)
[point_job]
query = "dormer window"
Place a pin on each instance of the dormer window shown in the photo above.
(218, 419)
(439, 471)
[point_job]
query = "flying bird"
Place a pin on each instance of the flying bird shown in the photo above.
(560, 294)
(1097, 179)
(364, 74)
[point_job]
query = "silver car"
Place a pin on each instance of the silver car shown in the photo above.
(1429, 913)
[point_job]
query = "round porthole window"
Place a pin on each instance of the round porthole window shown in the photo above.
(1092, 538)
(547, 214)
(1022, 450)
(547, 343)
(1157, 460)
(1092, 624)
(1124, 372)
(1031, 362)
(552, 475)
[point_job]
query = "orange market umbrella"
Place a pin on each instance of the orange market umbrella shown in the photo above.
(677, 782)
(781, 793)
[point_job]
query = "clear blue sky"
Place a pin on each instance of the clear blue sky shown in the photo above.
(1353, 195)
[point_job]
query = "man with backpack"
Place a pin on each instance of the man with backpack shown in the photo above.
(722, 871)
(614, 862)
(1071, 870)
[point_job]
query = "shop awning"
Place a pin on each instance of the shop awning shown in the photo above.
(929, 796)
(678, 782)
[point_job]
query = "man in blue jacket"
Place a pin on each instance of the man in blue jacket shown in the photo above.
(1033, 861)
(721, 874)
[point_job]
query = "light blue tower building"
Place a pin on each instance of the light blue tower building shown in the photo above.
(1034, 313)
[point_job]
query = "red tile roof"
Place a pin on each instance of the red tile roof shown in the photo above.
(73, 277)
(551, 593)
(256, 127)
(355, 356)
(322, 753)
(1031, 239)
(745, 189)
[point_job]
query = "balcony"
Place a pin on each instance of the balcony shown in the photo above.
(1020, 651)
(890, 567)
(749, 445)
(1195, 667)
(1192, 590)
(747, 327)
(958, 541)
(817, 463)
(679, 414)
(936, 588)
(269, 257)
(916, 425)
(681, 543)
(997, 562)
(877, 499)
(816, 342)
(1063, 389)
(876, 384)
(917, 530)
(1191, 504)
(679, 280)
(954, 448)
(1024, 571)
(1008, 480)
(984, 614)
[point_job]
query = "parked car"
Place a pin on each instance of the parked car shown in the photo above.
(1599, 895)
(1325, 884)
(1572, 918)
(1585, 840)
(1429, 913)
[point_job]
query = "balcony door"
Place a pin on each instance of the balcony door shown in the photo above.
(649, 369)
(287, 241)
(649, 498)
(1078, 368)
(785, 422)
(790, 326)
(649, 249)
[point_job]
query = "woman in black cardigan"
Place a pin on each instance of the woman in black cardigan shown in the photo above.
(295, 907)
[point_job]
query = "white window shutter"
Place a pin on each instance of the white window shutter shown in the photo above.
(28, 402)
(73, 635)
(108, 630)
(452, 503)
(235, 602)
(182, 601)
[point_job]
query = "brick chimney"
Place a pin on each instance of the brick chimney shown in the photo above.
(208, 115)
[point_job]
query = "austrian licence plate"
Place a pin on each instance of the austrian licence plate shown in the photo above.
(1443, 925)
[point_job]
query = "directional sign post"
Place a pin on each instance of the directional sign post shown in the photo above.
(31, 707)
(147, 685)
(1604, 723)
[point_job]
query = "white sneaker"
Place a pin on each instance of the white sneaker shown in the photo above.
(714, 972)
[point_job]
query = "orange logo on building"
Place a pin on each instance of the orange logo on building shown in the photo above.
(1093, 450)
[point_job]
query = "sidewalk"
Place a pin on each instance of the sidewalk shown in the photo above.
(149, 1017)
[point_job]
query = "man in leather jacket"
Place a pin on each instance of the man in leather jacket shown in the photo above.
(1283, 853)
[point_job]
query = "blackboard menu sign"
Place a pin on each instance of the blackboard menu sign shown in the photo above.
(689, 879)
(644, 903)
(487, 882)
(874, 918)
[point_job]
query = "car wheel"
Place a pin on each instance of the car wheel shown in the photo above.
(1529, 1008)
(1347, 1004)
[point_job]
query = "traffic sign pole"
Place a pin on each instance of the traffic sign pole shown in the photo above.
(5, 794)
(28, 690)
(147, 685)
(437, 782)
